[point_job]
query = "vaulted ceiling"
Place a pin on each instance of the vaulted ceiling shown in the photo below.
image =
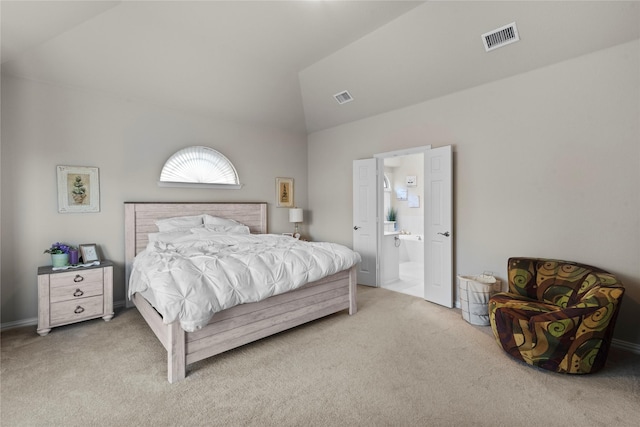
(232, 60)
(278, 63)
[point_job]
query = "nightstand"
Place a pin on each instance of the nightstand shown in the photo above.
(73, 295)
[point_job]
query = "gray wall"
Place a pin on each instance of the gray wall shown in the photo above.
(546, 164)
(44, 126)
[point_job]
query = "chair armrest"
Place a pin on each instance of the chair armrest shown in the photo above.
(596, 307)
(520, 302)
(562, 314)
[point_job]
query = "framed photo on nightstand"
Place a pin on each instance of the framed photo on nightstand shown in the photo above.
(89, 252)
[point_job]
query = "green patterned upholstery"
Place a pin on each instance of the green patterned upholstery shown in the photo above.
(557, 315)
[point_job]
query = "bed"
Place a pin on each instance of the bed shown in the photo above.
(241, 324)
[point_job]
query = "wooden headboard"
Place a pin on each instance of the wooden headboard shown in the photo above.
(140, 217)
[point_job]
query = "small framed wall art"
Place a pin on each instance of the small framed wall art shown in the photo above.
(284, 192)
(411, 181)
(78, 189)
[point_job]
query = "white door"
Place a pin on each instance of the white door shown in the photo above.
(365, 229)
(439, 226)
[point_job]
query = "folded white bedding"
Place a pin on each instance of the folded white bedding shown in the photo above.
(192, 274)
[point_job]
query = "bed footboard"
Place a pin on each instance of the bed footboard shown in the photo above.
(246, 323)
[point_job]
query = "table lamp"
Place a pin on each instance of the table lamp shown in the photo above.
(295, 216)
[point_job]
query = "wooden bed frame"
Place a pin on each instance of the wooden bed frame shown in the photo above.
(238, 325)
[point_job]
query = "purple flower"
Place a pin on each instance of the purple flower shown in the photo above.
(59, 248)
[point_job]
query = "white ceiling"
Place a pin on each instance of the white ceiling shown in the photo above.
(233, 60)
(436, 49)
(279, 62)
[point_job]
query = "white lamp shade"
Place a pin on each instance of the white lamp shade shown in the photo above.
(295, 215)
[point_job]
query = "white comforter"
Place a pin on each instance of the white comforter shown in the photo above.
(189, 276)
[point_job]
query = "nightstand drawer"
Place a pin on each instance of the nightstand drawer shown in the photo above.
(76, 277)
(75, 291)
(71, 311)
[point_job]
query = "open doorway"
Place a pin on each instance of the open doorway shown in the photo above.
(402, 265)
(369, 220)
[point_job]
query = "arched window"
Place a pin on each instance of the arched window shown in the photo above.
(386, 185)
(199, 167)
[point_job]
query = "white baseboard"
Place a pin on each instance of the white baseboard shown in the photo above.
(626, 345)
(33, 321)
(19, 323)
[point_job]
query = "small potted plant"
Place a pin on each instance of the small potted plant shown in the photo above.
(391, 214)
(59, 254)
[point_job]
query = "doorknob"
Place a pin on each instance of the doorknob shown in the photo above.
(445, 234)
(356, 227)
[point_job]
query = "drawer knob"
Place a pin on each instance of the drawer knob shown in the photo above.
(78, 278)
(78, 293)
(78, 310)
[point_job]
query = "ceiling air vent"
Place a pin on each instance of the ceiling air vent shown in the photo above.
(500, 37)
(343, 97)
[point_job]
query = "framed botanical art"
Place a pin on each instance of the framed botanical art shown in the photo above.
(78, 189)
(284, 192)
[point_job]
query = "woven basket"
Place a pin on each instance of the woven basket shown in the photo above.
(475, 292)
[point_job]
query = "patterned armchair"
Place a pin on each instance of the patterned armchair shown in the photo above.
(557, 315)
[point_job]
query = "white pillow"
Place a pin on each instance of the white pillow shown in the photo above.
(180, 222)
(214, 220)
(226, 229)
(170, 236)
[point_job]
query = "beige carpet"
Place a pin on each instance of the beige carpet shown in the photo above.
(399, 362)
